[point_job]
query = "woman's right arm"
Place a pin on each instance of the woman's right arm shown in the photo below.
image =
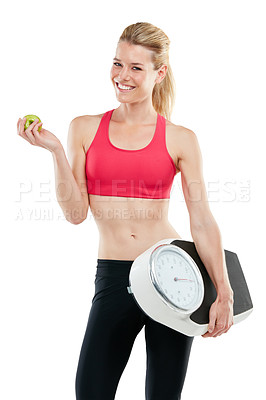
(70, 181)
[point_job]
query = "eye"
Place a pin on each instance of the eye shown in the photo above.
(115, 63)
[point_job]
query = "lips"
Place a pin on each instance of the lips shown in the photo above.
(133, 87)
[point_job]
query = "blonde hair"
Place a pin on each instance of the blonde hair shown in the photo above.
(154, 39)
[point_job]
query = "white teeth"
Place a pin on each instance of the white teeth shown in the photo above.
(124, 87)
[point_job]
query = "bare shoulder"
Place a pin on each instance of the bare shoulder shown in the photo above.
(84, 128)
(87, 120)
(179, 130)
(181, 139)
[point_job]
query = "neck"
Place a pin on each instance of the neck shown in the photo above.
(136, 113)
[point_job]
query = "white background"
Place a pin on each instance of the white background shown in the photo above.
(56, 60)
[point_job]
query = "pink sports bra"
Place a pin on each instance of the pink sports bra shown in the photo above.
(143, 173)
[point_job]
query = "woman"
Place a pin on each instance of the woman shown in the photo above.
(123, 163)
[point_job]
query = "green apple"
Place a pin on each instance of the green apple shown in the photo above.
(29, 120)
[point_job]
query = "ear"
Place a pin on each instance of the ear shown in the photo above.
(161, 73)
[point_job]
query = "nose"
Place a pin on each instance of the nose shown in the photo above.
(124, 74)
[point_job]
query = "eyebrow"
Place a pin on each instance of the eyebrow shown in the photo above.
(117, 59)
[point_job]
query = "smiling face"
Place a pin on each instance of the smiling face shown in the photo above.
(132, 73)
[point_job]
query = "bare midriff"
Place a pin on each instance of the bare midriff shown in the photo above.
(128, 226)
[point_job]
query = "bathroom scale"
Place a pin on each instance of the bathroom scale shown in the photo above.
(170, 283)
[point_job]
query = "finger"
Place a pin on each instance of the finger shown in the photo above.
(223, 332)
(219, 329)
(212, 320)
(223, 325)
(36, 133)
(209, 334)
(21, 125)
(21, 131)
(29, 131)
(228, 327)
(18, 125)
(31, 126)
(36, 127)
(30, 136)
(215, 332)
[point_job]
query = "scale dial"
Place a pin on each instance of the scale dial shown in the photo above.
(177, 278)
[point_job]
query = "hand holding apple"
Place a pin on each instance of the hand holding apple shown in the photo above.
(30, 119)
(29, 128)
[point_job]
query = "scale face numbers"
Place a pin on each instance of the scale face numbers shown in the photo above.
(177, 278)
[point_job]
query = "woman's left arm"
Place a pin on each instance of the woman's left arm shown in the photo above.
(205, 232)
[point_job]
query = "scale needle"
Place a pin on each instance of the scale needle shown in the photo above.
(179, 279)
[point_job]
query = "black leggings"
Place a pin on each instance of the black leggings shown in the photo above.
(114, 321)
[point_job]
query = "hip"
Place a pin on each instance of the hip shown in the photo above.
(111, 282)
